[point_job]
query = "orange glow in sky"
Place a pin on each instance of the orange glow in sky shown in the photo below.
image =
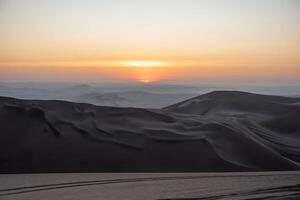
(149, 41)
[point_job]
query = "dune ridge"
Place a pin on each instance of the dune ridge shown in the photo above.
(217, 131)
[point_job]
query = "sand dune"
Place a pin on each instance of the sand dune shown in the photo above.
(217, 131)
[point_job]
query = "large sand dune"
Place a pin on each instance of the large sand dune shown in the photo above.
(217, 131)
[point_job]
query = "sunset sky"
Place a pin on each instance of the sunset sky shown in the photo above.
(150, 40)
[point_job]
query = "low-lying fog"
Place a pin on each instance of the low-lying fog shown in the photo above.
(129, 95)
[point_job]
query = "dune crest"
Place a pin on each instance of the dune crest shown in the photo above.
(217, 131)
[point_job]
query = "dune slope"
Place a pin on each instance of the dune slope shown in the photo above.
(217, 131)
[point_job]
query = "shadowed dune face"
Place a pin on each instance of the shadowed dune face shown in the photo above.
(217, 131)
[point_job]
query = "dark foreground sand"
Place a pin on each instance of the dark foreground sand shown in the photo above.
(218, 131)
(188, 186)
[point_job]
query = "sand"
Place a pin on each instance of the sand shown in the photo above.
(218, 131)
(151, 186)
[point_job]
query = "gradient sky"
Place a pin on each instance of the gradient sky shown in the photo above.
(150, 40)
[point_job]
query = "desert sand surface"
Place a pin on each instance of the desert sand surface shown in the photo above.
(215, 132)
(152, 186)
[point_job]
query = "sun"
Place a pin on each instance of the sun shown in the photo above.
(145, 81)
(144, 71)
(143, 63)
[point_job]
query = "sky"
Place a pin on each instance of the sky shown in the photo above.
(150, 40)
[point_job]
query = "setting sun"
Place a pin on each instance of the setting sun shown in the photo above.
(145, 81)
(143, 63)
